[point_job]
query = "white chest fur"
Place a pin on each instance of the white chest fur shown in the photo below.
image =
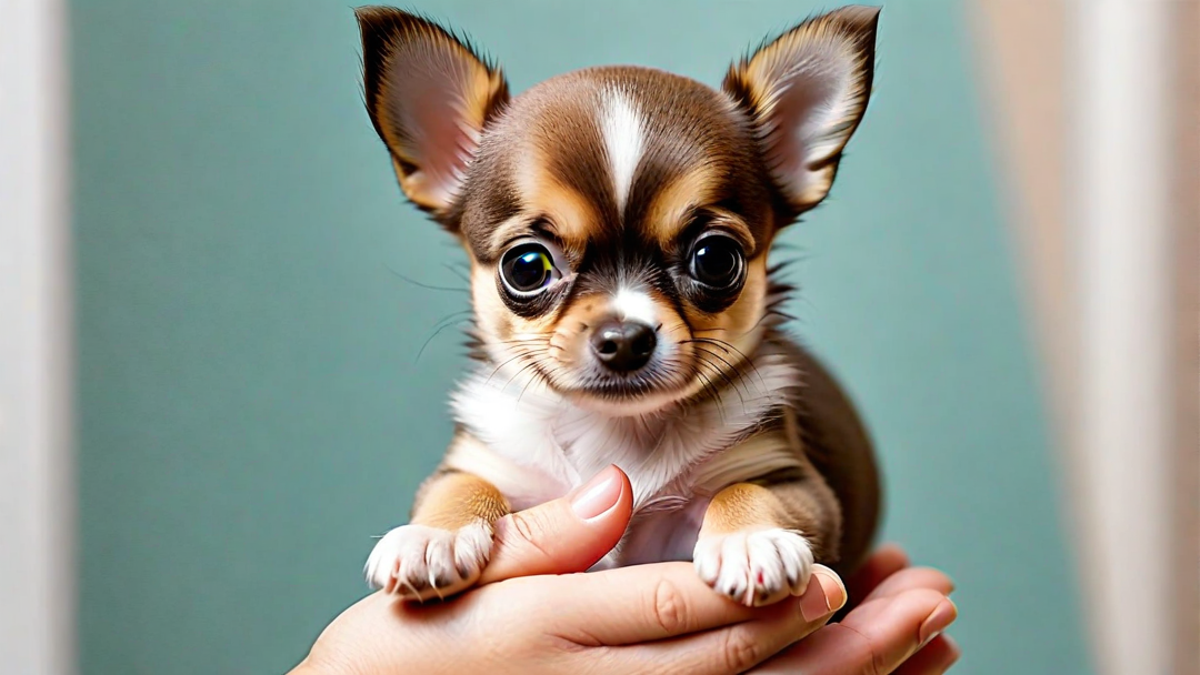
(535, 445)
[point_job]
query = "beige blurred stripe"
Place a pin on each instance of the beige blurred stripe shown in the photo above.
(1029, 52)
(1021, 53)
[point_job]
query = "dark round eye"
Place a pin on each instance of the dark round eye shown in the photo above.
(717, 261)
(527, 269)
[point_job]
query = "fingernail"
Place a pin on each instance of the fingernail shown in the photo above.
(599, 495)
(824, 596)
(941, 618)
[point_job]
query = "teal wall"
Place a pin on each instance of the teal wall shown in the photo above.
(252, 408)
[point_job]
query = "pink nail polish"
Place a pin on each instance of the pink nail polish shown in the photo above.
(599, 495)
(823, 597)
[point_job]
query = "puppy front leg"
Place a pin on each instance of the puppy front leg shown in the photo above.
(758, 541)
(447, 545)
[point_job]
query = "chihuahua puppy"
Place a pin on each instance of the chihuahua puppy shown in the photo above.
(618, 221)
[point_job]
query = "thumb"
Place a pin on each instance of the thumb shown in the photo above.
(563, 536)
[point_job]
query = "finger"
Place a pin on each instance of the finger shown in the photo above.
(564, 535)
(883, 563)
(741, 646)
(934, 658)
(631, 605)
(876, 637)
(909, 579)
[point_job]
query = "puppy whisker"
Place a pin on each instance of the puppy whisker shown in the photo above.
(441, 326)
(500, 367)
(431, 287)
(704, 361)
(456, 271)
(727, 347)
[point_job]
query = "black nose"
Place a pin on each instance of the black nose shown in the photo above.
(624, 346)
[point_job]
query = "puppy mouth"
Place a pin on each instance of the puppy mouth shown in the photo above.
(619, 368)
(655, 385)
(663, 381)
(646, 394)
(629, 387)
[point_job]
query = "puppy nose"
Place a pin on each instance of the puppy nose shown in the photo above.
(623, 346)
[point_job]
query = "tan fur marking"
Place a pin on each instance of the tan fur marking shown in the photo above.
(734, 225)
(493, 317)
(669, 207)
(480, 95)
(807, 506)
(736, 325)
(571, 214)
(453, 500)
(740, 507)
(799, 499)
(507, 231)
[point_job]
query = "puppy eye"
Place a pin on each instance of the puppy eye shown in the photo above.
(717, 261)
(528, 269)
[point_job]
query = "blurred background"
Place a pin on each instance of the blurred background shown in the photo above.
(216, 385)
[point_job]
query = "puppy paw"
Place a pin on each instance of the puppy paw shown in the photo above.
(755, 568)
(417, 562)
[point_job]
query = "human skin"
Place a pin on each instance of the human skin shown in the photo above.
(535, 612)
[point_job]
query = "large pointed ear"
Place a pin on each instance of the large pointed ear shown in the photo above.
(429, 95)
(806, 91)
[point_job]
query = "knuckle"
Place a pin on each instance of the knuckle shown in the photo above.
(670, 608)
(525, 525)
(741, 650)
(531, 528)
(868, 653)
(927, 597)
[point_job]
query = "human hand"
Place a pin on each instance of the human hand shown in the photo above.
(894, 626)
(644, 619)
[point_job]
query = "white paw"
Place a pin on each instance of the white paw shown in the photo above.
(755, 568)
(418, 562)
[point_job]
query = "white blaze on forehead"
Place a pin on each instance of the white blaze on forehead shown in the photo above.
(635, 305)
(622, 128)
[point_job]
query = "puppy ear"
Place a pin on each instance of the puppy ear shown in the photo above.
(429, 96)
(806, 91)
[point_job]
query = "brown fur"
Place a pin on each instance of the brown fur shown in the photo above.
(536, 167)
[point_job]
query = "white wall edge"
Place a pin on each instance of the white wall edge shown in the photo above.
(1118, 167)
(37, 571)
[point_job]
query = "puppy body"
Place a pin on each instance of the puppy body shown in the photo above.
(618, 222)
(535, 445)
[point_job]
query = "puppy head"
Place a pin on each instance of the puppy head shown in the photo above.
(618, 219)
